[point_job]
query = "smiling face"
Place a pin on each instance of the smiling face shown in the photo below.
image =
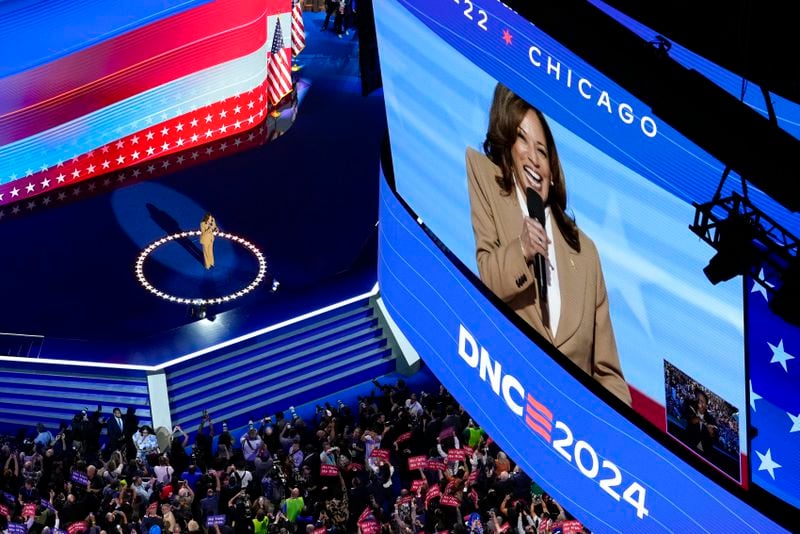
(531, 156)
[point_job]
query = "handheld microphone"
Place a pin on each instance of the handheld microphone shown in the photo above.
(536, 211)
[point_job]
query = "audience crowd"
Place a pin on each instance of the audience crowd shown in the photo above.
(681, 390)
(399, 462)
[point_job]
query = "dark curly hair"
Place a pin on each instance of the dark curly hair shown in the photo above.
(505, 116)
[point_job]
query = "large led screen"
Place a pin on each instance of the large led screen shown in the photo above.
(630, 181)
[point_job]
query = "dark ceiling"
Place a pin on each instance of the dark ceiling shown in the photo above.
(755, 40)
(740, 36)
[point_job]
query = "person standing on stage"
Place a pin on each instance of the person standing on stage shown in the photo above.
(208, 227)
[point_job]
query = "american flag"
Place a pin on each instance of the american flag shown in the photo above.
(774, 395)
(279, 77)
(298, 28)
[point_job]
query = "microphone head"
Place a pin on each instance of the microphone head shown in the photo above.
(535, 205)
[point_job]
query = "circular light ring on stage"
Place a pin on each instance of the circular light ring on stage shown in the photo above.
(262, 269)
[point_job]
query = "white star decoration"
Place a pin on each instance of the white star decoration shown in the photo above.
(753, 397)
(779, 355)
(758, 288)
(795, 422)
(767, 463)
(616, 249)
(119, 153)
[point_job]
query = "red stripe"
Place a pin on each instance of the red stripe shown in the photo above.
(102, 75)
(649, 408)
(209, 124)
(541, 407)
(536, 428)
(87, 65)
(536, 415)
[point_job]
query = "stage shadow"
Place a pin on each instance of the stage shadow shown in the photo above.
(171, 226)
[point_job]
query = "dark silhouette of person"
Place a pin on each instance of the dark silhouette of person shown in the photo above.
(701, 431)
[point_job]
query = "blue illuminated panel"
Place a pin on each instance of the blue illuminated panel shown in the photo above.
(596, 463)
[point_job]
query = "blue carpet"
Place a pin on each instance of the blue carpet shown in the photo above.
(307, 200)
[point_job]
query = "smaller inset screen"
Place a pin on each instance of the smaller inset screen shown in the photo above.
(702, 420)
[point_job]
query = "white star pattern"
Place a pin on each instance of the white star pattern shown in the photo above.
(758, 288)
(779, 355)
(795, 422)
(753, 397)
(767, 463)
(116, 161)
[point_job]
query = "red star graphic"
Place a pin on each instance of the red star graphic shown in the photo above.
(507, 36)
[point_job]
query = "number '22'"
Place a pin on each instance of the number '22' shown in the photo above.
(482, 15)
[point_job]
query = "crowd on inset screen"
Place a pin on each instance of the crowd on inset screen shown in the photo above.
(400, 462)
(683, 390)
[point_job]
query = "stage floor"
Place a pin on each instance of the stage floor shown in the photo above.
(307, 200)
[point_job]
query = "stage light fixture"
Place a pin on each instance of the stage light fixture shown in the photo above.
(275, 285)
(736, 250)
